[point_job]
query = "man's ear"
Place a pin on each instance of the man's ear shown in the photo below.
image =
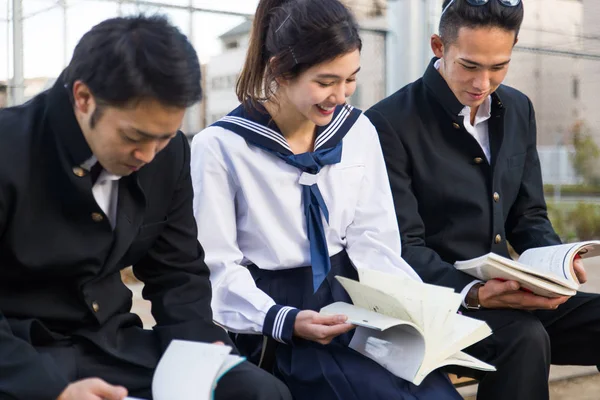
(437, 45)
(83, 99)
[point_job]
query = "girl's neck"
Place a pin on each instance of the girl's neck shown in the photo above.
(298, 131)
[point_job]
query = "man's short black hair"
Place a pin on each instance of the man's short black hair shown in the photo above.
(127, 59)
(493, 15)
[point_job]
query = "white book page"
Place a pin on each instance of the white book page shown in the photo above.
(492, 266)
(375, 300)
(466, 360)
(361, 317)
(464, 331)
(408, 291)
(553, 260)
(440, 306)
(429, 305)
(399, 349)
(188, 370)
(558, 260)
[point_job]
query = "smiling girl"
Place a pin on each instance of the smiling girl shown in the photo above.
(291, 190)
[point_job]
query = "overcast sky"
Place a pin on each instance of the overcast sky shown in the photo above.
(43, 35)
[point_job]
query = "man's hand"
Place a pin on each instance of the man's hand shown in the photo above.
(579, 270)
(497, 294)
(320, 328)
(93, 389)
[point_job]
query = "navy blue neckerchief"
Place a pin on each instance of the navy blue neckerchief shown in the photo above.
(258, 129)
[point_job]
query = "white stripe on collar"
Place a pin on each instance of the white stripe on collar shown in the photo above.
(258, 128)
(333, 127)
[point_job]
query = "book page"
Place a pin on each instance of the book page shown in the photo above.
(464, 331)
(408, 291)
(439, 307)
(493, 266)
(465, 360)
(553, 260)
(188, 370)
(558, 260)
(361, 317)
(429, 305)
(375, 300)
(399, 349)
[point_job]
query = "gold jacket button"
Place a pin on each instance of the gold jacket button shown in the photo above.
(80, 172)
(95, 306)
(497, 239)
(455, 125)
(97, 217)
(496, 197)
(478, 160)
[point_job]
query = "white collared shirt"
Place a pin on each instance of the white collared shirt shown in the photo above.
(479, 130)
(105, 190)
(248, 205)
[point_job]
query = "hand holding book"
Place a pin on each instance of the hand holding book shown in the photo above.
(320, 328)
(551, 271)
(508, 294)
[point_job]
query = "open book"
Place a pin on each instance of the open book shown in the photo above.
(190, 370)
(409, 327)
(546, 271)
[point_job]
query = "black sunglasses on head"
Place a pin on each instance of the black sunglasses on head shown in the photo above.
(475, 3)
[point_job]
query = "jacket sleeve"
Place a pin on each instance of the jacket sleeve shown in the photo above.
(24, 373)
(176, 279)
(527, 224)
(425, 261)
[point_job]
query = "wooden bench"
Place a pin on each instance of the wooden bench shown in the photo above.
(461, 381)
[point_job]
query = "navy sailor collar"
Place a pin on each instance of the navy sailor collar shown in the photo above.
(257, 127)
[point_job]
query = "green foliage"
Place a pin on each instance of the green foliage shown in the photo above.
(575, 222)
(587, 152)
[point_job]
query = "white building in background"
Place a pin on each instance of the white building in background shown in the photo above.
(223, 70)
(552, 80)
(590, 82)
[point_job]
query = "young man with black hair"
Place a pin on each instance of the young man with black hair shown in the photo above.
(95, 176)
(461, 155)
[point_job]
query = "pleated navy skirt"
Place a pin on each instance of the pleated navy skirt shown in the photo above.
(331, 372)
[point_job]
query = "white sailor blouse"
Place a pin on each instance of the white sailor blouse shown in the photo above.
(255, 202)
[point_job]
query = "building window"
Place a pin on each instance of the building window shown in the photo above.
(232, 45)
(576, 87)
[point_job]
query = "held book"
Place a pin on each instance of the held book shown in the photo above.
(546, 271)
(190, 370)
(409, 327)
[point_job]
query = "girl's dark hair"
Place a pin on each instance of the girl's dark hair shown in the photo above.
(290, 36)
(493, 15)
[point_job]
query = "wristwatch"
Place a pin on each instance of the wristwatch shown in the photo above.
(472, 299)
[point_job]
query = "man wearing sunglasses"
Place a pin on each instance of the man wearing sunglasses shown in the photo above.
(461, 155)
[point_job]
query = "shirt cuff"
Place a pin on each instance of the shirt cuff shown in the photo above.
(465, 291)
(279, 323)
